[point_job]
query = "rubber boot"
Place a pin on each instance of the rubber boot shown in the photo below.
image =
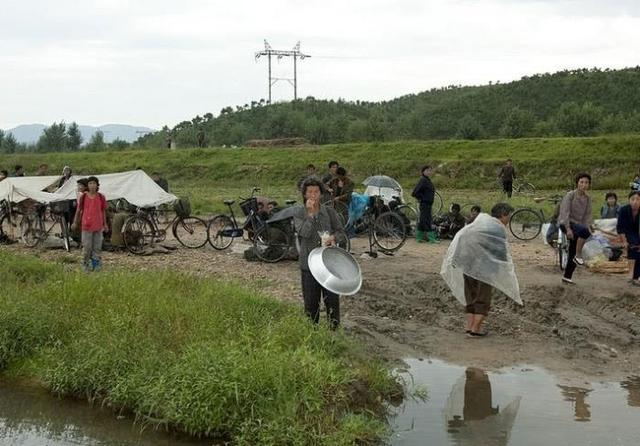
(95, 263)
(432, 238)
(420, 236)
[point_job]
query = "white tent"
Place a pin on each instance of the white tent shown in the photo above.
(134, 186)
(17, 189)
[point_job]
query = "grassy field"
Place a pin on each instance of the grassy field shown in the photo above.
(201, 356)
(465, 170)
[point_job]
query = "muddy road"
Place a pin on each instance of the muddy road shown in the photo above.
(591, 329)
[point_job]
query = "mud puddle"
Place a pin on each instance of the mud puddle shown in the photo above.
(514, 406)
(32, 417)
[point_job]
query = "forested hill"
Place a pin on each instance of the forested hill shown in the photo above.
(568, 103)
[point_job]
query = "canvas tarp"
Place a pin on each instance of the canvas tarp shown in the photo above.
(135, 186)
(17, 189)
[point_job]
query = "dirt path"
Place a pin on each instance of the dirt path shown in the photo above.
(404, 309)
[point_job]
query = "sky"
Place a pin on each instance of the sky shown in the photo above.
(155, 63)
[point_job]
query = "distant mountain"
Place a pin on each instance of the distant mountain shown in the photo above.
(30, 133)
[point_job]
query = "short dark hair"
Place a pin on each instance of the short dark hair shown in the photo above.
(18, 167)
(333, 163)
(94, 179)
(425, 167)
(4, 172)
(476, 208)
(341, 171)
(310, 166)
(611, 194)
(455, 207)
(509, 160)
(634, 192)
(309, 182)
(501, 210)
(83, 181)
(43, 165)
(582, 175)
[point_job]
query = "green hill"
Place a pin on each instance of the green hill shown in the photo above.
(583, 102)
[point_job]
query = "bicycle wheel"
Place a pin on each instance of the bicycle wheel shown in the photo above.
(563, 250)
(271, 244)
(437, 204)
(64, 233)
(191, 232)
(410, 217)
(342, 241)
(5, 227)
(389, 231)
(526, 189)
(342, 210)
(219, 232)
(525, 224)
(138, 233)
(31, 229)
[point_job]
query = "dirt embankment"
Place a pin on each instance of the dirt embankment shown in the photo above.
(405, 310)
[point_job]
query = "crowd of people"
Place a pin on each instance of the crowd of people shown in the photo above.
(320, 191)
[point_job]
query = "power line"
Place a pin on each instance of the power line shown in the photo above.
(295, 53)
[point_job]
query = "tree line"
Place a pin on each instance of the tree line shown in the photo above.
(59, 137)
(584, 102)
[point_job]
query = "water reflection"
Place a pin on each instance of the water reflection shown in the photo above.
(577, 396)
(31, 416)
(470, 415)
(632, 385)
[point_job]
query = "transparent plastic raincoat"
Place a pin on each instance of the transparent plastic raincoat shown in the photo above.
(480, 250)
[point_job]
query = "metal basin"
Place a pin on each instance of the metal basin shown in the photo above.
(336, 270)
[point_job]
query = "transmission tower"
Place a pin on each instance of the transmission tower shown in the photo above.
(295, 53)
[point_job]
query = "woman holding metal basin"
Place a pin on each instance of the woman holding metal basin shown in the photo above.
(316, 226)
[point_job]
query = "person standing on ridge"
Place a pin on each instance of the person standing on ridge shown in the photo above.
(506, 176)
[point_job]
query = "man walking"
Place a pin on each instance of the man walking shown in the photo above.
(507, 175)
(425, 192)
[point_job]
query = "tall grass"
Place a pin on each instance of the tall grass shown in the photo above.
(201, 356)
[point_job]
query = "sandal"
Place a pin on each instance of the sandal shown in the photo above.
(578, 260)
(474, 334)
(567, 280)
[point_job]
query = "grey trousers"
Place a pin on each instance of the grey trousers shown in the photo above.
(91, 246)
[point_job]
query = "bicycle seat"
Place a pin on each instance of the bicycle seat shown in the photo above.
(229, 202)
(290, 202)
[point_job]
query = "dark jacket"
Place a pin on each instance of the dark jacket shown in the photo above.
(628, 226)
(424, 191)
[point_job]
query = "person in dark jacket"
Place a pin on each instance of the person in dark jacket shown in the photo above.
(424, 192)
(506, 176)
(629, 229)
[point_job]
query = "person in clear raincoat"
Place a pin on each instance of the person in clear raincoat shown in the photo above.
(477, 261)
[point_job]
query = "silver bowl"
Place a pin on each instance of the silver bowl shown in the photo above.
(336, 270)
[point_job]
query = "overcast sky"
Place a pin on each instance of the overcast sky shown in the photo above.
(159, 62)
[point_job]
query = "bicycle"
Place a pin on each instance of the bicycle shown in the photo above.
(519, 187)
(224, 228)
(526, 223)
(385, 229)
(410, 213)
(141, 230)
(33, 225)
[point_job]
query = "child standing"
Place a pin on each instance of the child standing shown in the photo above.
(92, 214)
(611, 207)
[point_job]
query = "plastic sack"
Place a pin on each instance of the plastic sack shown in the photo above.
(480, 250)
(596, 249)
(606, 224)
(359, 203)
(543, 232)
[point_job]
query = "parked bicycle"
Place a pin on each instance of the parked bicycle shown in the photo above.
(410, 213)
(519, 187)
(224, 228)
(385, 229)
(141, 230)
(526, 223)
(35, 229)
